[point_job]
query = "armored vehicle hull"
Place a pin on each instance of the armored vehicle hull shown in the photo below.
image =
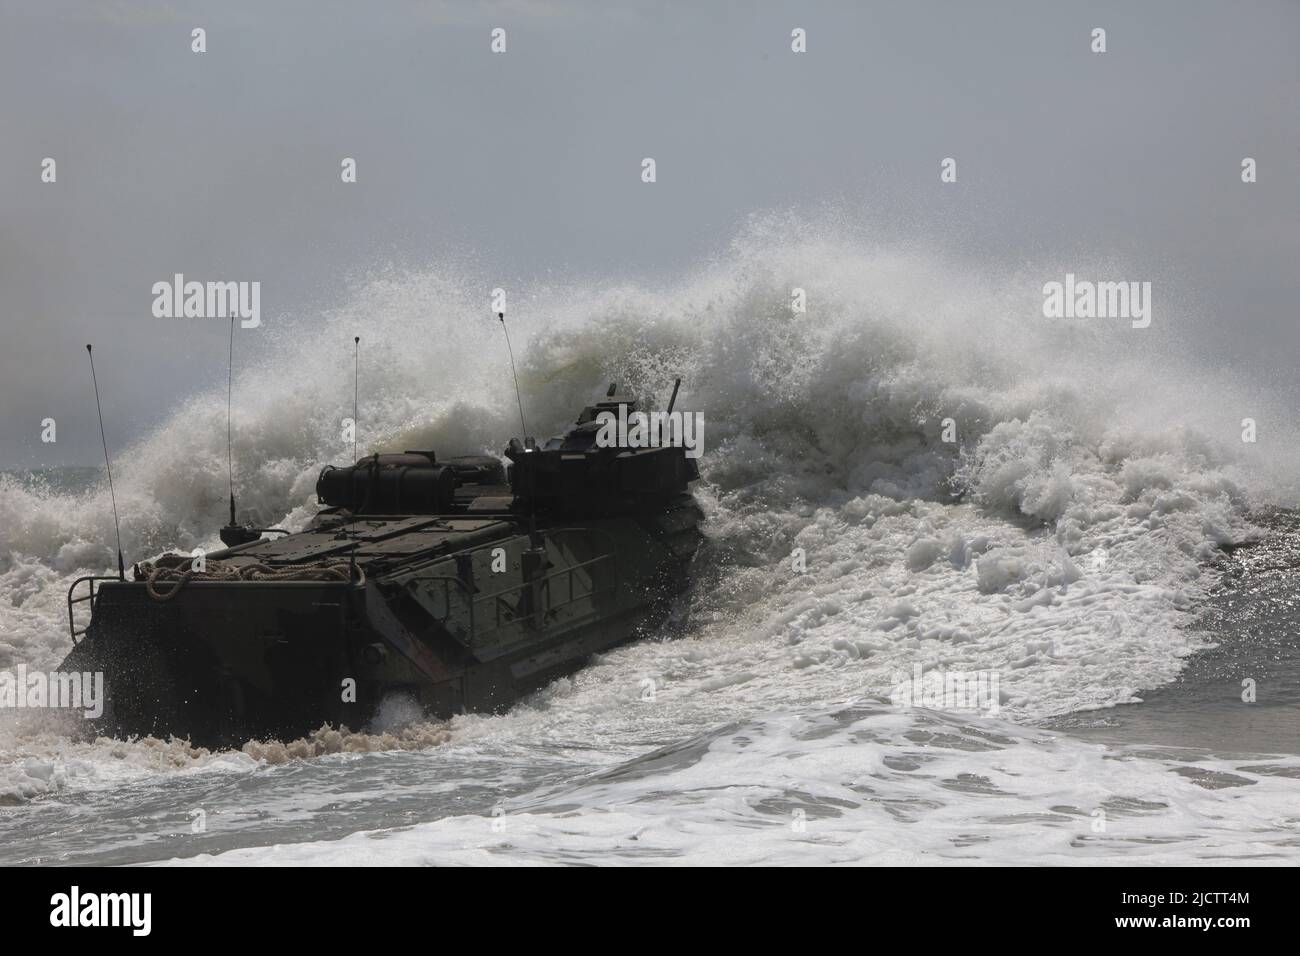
(489, 594)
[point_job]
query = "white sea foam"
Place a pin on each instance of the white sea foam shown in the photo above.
(862, 785)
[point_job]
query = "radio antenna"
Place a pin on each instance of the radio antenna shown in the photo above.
(108, 466)
(673, 401)
(230, 384)
(233, 535)
(356, 390)
(515, 375)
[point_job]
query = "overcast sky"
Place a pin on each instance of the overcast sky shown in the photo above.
(226, 164)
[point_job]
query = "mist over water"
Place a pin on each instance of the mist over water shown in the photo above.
(823, 433)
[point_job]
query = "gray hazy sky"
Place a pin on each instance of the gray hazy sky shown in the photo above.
(226, 164)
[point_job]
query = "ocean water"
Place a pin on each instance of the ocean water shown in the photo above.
(1098, 537)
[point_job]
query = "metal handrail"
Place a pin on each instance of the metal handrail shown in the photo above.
(90, 596)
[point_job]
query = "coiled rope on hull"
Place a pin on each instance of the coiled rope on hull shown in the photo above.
(178, 570)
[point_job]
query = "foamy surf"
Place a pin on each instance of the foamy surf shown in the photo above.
(40, 759)
(862, 784)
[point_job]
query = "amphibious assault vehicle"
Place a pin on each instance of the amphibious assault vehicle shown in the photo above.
(454, 582)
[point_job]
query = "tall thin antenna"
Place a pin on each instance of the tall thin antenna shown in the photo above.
(230, 384)
(356, 390)
(515, 375)
(112, 494)
(673, 401)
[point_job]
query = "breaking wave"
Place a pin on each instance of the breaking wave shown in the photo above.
(1062, 539)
